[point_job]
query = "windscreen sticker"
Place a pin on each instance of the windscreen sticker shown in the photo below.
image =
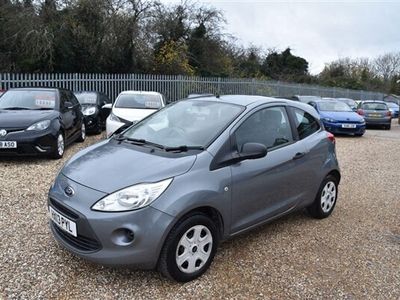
(89, 99)
(46, 101)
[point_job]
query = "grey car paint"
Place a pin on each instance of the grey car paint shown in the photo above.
(245, 194)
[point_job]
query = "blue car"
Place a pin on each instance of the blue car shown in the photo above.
(394, 109)
(339, 118)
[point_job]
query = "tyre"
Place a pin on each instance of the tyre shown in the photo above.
(388, 126)
(359, 134)
(60, 147)
(82, 136)
(189, 248)
(326, 198)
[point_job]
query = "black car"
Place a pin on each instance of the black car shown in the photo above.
(39, 121)
(92, 108)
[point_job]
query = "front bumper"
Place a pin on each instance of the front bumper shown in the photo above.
(31, 143)
(92, 123)
(102, 235)
(337, 128)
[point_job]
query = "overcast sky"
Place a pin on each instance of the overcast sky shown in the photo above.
(319, 31)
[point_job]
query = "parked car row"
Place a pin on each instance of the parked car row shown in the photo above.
(339, 115)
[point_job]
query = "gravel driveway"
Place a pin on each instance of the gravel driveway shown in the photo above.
(353, 254)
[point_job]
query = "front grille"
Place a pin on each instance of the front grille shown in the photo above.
(80, 242)
(86, 241)
(62, 209)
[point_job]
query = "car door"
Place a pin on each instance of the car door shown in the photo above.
(76, 113)
(66, 115)
(269, 186)
(311, 135)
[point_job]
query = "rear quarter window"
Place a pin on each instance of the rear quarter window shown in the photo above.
(305, 123)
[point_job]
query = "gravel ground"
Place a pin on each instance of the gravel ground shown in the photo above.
(354, 254)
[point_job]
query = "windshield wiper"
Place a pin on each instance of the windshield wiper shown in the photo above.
(43, 108)
(138, 141)
(16, 108)
(183, 148)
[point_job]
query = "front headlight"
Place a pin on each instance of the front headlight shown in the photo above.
(328, 120)
(133, 197)
(89, 111)
(42, 125)
(113, 117)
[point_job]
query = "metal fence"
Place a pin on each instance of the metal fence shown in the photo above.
(175, 87)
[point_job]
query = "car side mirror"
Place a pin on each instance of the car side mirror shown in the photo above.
(228, 156)
(68, 105)
(106, 110)
(252, 151)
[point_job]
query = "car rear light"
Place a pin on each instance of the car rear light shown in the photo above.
(360, 112)
(331, 137)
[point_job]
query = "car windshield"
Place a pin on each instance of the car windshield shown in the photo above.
(333, 106)
(185, 123)
(143, 101)
(86, 98)
(28, 99)
(374, 106)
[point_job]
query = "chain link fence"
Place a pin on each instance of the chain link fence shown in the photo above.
(176, 87)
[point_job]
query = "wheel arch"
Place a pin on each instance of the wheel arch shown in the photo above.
(211, 212)
(336, 174)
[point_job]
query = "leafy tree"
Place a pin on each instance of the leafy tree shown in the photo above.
(285, 66)
(172, 59)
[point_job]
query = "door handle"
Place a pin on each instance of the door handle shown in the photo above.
(299, 155)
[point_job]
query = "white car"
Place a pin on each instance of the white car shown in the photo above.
(131, 107)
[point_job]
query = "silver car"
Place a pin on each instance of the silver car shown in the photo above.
(166, 191)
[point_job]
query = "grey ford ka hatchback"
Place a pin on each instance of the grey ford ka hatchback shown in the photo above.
(166, 191)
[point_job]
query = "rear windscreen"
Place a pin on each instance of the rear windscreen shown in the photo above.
(374, 106)
(138, 101)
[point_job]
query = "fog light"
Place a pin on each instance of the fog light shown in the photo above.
(122, 237)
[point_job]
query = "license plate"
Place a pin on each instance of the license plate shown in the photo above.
(348, 125)
(63, 222)
(374, 115)
(8, 145)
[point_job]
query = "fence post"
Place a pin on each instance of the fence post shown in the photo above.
(219, 85)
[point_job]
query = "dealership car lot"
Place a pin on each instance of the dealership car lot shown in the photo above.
(353, 254)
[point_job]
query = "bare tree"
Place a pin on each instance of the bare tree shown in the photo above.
(387, 65)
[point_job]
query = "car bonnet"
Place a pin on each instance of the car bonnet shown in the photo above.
(109, 166)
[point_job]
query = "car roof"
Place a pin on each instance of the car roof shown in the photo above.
(371, 101)
(79, 92)
(244, 100)
(139, 92)
(254, 101)
(35, 89)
